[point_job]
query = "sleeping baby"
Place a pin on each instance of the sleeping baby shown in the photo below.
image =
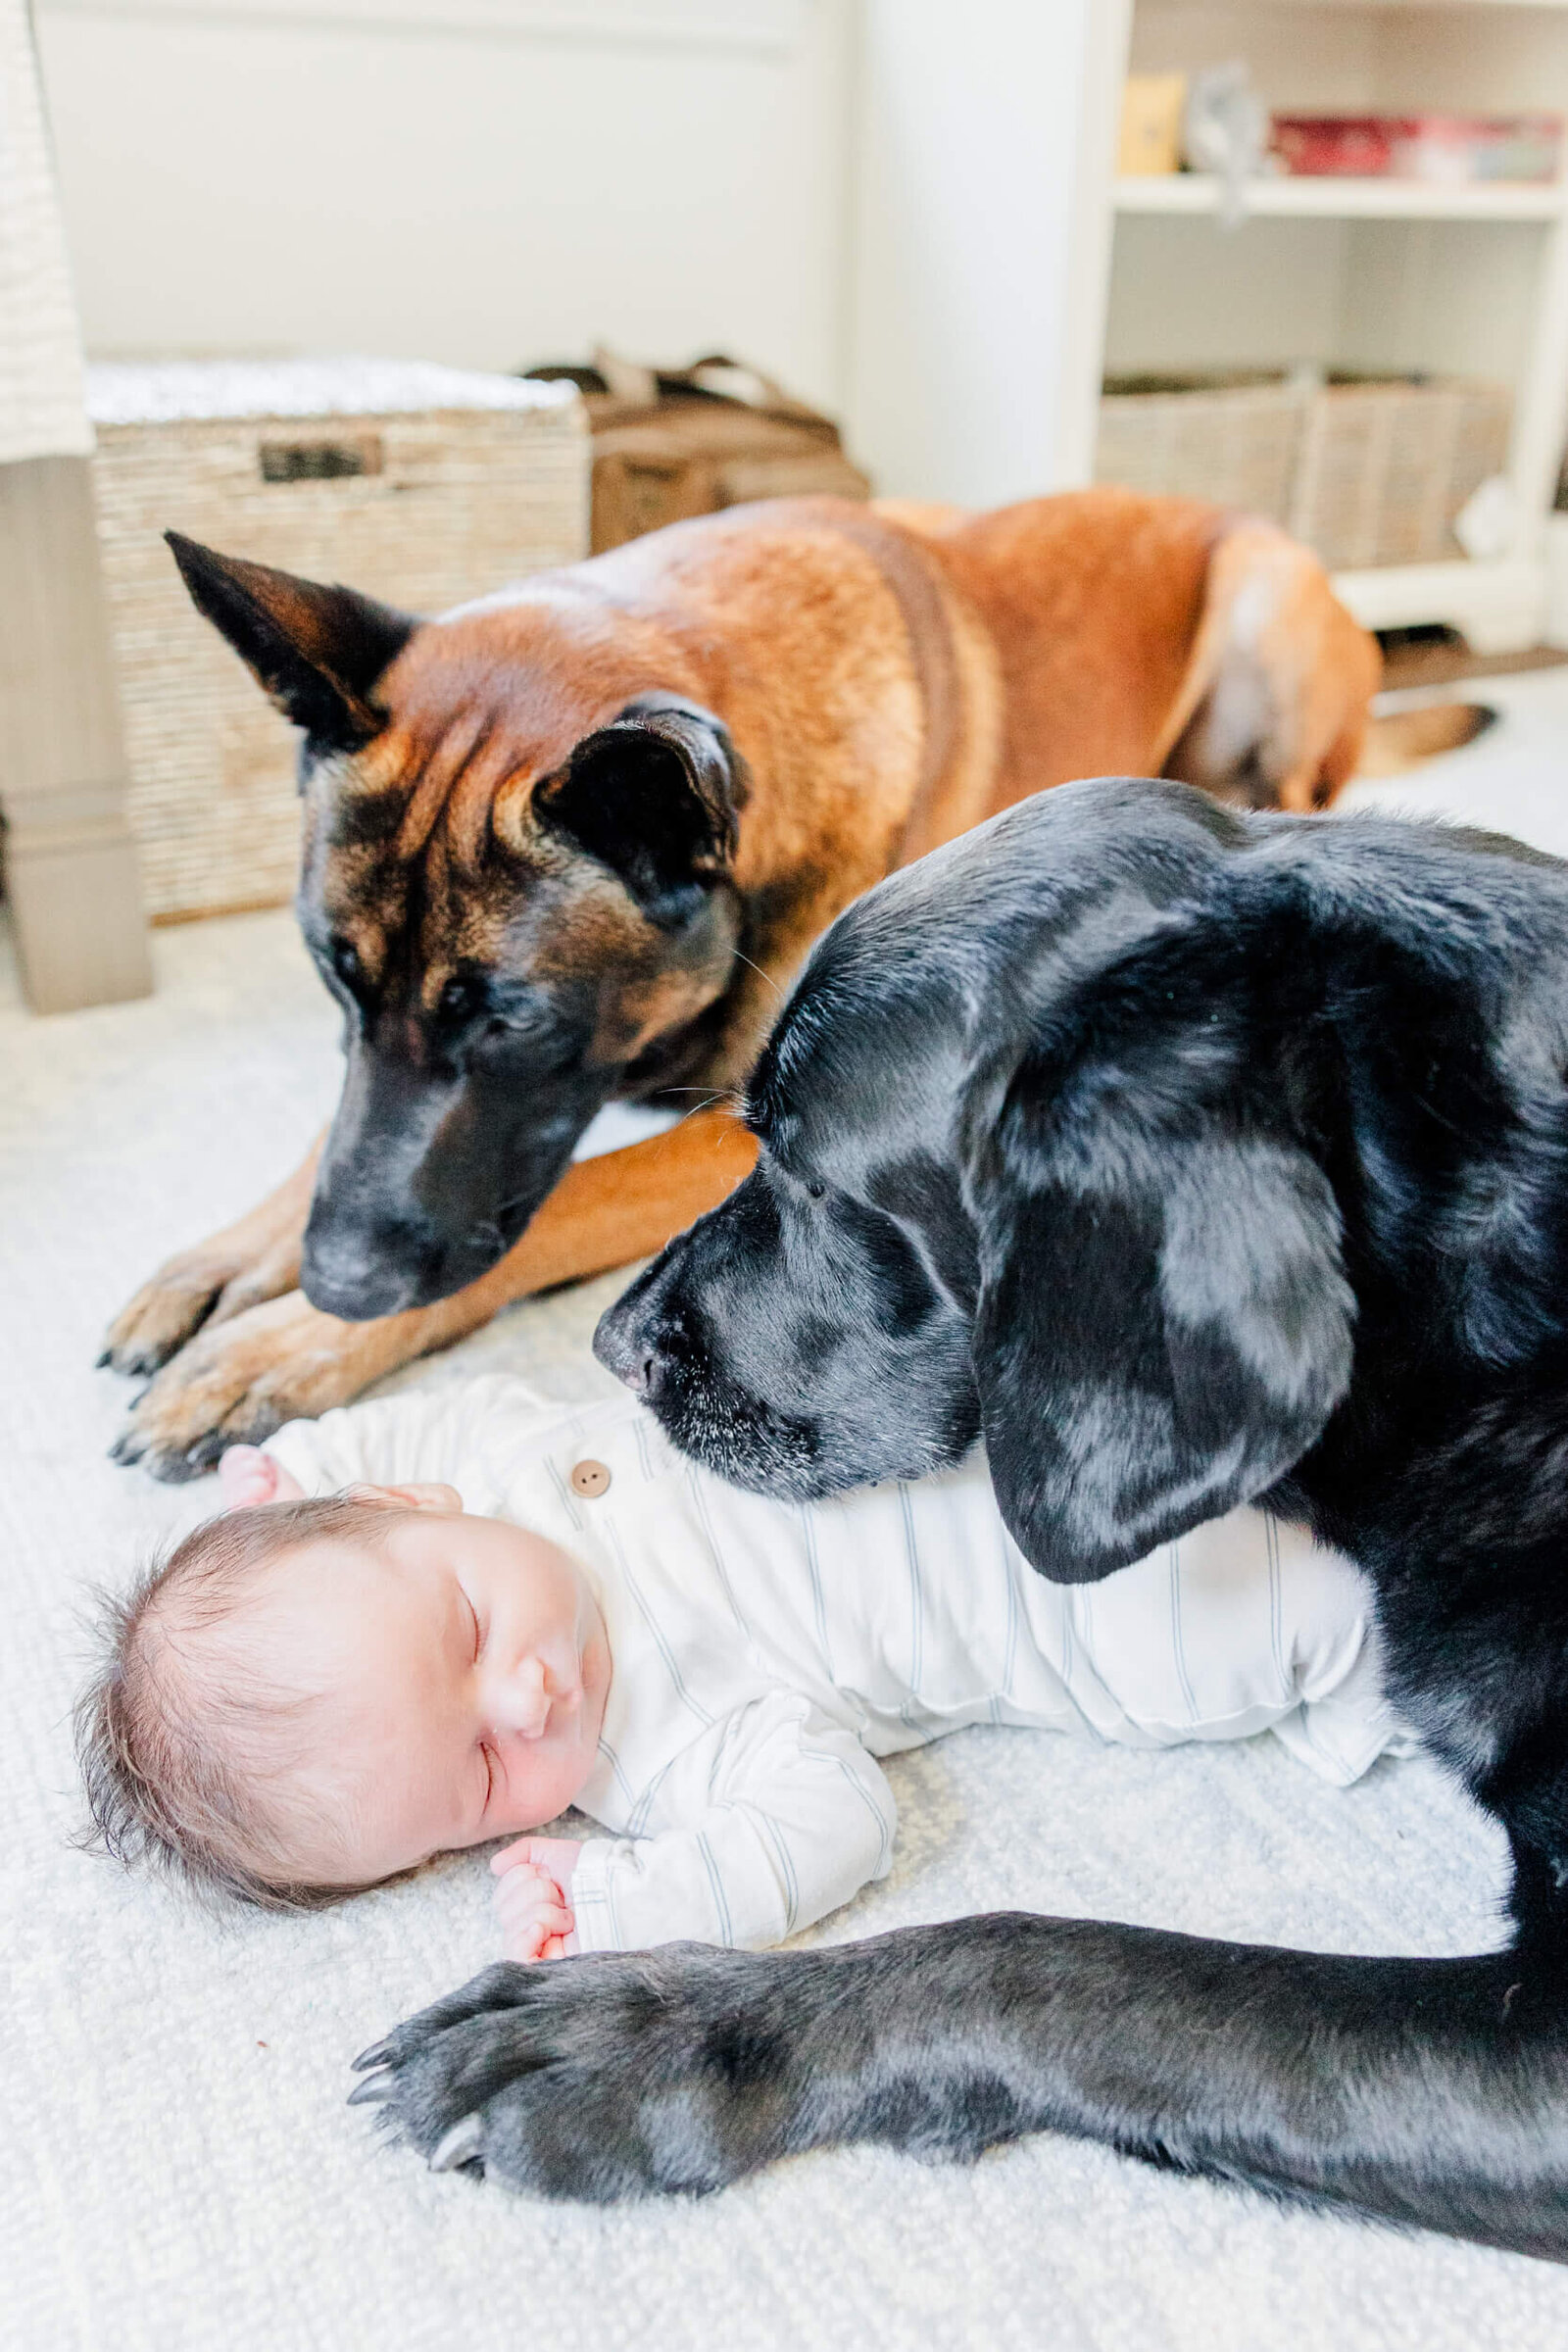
(515, 1608)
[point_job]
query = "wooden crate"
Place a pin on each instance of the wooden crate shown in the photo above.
(421, 485)
(671, 443)
(695, 457)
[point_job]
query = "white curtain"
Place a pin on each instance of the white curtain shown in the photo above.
(42, 407)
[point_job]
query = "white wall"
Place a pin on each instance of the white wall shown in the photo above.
(979, 268)
(269, 175)
(877, 200)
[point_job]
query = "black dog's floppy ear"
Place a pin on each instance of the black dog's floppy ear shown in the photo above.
(655, 796)
(1164, 1324)
(317, 652)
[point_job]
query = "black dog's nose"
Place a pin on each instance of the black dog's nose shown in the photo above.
(623, 1348)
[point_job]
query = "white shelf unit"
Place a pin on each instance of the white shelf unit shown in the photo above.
(1347, 199)
(1364, 273)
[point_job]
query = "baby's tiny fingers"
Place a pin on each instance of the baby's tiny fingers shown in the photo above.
(526, 1886)
(246, 1476)
(521, 1944)
(518, 1856)
(548, 1913)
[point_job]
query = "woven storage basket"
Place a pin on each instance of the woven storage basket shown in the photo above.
(421, 485)
(1387, 466)
(1366, 470)
(1234, 440)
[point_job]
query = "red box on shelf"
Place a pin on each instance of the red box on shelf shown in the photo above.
(1452, 149)
(1327, 146)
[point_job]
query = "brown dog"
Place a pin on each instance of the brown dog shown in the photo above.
(570, 843)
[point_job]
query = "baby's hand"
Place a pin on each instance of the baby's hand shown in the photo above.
(247, 1476)
(536, 1920)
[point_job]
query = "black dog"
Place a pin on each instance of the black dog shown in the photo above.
(1189, 1158)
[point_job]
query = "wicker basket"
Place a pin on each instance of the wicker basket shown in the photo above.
(1232, 439)
(1387, 466)
(421, 485)
(1366, 470)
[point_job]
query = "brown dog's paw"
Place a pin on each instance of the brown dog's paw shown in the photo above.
(164, 1312)
(239, 1380)
(258, 1257)
(202, 1285)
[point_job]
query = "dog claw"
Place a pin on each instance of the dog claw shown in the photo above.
(376, 2055)
(373, 2092)
(459, 2146)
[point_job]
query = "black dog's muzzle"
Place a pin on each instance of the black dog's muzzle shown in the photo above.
(632, 1337)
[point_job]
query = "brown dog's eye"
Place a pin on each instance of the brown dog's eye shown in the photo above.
(346, 963)
(459, 999)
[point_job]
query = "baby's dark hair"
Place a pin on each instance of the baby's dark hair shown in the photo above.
(179, 1773)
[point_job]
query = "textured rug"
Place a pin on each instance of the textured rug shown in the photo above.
(177, 2167)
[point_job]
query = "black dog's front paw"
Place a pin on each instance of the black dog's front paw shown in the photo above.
(610, 2076)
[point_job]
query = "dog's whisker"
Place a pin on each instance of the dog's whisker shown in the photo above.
(760, 974)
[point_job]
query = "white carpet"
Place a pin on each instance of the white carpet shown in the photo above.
(176, 2165)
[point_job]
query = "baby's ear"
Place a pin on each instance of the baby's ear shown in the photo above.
(430, 1497)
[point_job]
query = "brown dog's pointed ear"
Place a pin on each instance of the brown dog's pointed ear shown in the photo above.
(1164, 1324)
(655, 796)
(317, 652)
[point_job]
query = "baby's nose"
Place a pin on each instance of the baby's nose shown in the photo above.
(526, 1698)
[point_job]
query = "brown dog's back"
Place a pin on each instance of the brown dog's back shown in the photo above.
(1147, 636)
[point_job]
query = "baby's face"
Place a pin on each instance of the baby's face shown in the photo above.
(462, 1669)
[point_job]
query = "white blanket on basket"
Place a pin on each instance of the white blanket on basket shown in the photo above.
(42, 407)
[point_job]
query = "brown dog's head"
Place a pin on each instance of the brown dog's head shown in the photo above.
(517, 883)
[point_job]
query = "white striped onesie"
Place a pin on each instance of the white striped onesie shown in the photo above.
(764, 1654)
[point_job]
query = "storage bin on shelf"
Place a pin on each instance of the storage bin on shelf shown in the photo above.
(1367, 469)
(1450, 150)
(421, 485)
(1233, 438)
(1386, 466)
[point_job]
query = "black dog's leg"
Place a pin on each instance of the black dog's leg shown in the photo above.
(1422, 2091)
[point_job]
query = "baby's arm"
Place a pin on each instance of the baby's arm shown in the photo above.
(413, 1437)
(777, 1816)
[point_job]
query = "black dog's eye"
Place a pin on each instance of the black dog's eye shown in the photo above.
(816, 1190)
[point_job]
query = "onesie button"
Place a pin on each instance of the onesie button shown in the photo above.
(590, 1478)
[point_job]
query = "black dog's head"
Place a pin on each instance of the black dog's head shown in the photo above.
(1031, 1168)
(517, 884)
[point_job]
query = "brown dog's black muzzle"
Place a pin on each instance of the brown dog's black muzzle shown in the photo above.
(362, 1267)
(429, 1177)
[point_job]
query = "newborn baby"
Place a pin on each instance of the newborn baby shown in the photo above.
(316, 1694)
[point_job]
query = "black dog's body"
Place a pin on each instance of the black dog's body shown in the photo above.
(1191, 1157)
